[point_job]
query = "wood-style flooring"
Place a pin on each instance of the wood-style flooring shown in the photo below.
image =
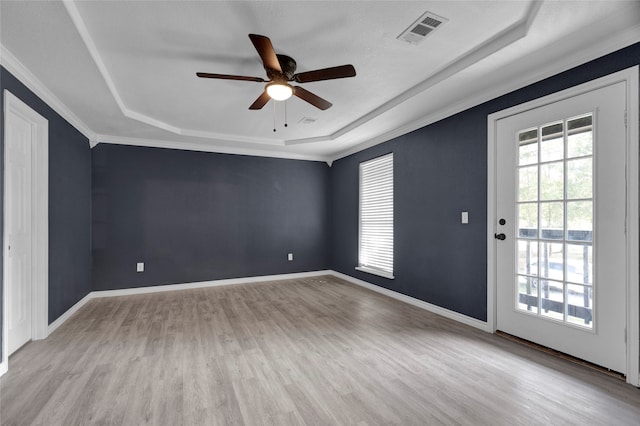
(316, 351)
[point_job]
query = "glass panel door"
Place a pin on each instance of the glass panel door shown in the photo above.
(561, 257)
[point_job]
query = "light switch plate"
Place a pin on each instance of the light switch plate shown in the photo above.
(290, 256)
(465, 217)
(140, 267)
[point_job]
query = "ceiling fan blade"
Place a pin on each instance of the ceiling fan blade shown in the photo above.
(230, 77)
(341, 71)
(313, 99)
(261, 101)
(265, 50)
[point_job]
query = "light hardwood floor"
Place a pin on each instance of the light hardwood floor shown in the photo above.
(309, 351)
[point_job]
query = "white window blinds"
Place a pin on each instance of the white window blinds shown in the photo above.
(375, 251)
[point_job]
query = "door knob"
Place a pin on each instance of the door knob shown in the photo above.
(500, 236)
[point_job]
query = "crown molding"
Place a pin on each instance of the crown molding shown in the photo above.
(209, 147)
(26, 77)
(230, 138)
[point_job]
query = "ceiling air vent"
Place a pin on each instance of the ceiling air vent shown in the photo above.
(423, 26)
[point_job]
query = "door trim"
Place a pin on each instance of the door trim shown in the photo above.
(39, 225)
(632, 274)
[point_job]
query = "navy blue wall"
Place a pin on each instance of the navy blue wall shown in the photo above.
(69, 203)
(194, 216)
(441, 170)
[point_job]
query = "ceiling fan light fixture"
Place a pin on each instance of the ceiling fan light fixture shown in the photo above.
(280, 70)
(279, 91)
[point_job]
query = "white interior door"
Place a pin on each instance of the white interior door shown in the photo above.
(561, 253)
(18, 244)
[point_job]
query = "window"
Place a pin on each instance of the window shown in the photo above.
(555, 200)
(375, 246)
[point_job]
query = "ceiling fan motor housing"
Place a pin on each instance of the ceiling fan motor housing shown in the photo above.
(288, 66)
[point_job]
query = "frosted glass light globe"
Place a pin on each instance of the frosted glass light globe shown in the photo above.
(279, 91)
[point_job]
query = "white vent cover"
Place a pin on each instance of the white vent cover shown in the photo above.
(423, 26)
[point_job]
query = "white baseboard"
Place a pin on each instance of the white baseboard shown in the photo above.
(417, 302)
(72, 310)
(204, 284)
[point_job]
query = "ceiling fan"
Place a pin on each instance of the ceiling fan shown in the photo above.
(280, 71)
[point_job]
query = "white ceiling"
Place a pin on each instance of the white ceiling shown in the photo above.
(124, 71)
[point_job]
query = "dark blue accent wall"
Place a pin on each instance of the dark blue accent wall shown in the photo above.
(69, 203)
(194, 216)
(440, 170)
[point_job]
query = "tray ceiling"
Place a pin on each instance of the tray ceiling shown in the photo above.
(124, 71)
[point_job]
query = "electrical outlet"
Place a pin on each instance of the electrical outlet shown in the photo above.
(290, 257)
(140, 267)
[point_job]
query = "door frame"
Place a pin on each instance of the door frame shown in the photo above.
(39, 224)
(632, 274)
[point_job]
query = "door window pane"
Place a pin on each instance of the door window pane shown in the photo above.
(551, 220)
(528, 220)
(551, 260)
(580, 220)
(528, 183)
(580, 263)
(552, 145)
(580, 305)
(527, 294)
(580, 178)
(580, 137)
(527, 257)
(552, 299)
(552, 181)
(528, 147)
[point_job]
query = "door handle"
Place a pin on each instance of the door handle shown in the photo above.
(500, 236)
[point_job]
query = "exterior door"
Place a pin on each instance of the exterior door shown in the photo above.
(561, 249)
(18, 138)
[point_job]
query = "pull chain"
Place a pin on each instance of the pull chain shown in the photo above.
(285, 114)
(274, 115)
